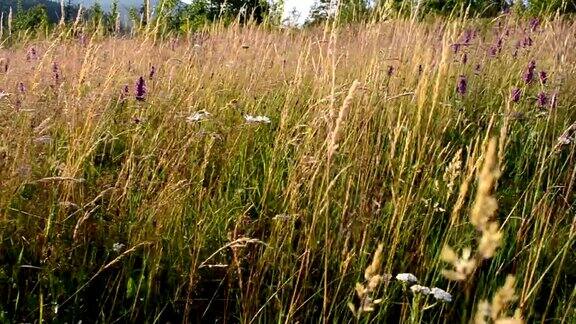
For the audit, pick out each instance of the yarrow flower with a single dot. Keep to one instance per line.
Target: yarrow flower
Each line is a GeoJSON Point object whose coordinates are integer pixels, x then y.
{"type": "Point", "coordinates": [420, 289]}
{"type": "Point", "coordinates": [117, 247]}
{"type": "Point", "coordinates": [406, 277]}
{"type": "Point", "coordinates": [441, 294]}
{"type": "Point", "coordinates": [462, 86]}
{"type": "Point", "coordinates": [257, 119]}
{"type": "Point", "coordinates": [140, 92]}
{"type": "Point", "coordinates": [198, 116]}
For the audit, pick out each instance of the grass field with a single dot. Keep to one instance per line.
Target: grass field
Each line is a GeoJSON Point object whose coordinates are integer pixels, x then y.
{"type": "Point", "coordinates": [251, 174]}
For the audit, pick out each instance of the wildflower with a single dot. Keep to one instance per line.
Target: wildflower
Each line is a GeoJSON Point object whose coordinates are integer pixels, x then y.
{"type": "Point", "coordinates": [542, 99]}
{"type": "Point", "coordinates": [257, 119]}
{"type": "Point", "coordinates": [464, 58]}
{"type": "Point", "coordinates": [21, 87]}
{"type": "Point", "coordinates": [528, 76]}
{"type": "Point", "coordinates": [462, 85]}
{"type": "Point", "coordinates": [152, 72]}
{"type": "Point", "coordinates": [455, 48]}
{"type": "Point", "coordinates": [31, 54]}
{"type": "Point", "coordinates": [420, 289]}
{"type": "Point", "coordinates": [527, 42]}
{"type": "Point", "coordinates": [441, 295]}
{"type": "Point", "coordinates": [117, 247]}
{"type": "Point", "coordinates": [493, 51]}
{"type": "Point", "coordinates": [516, 93]}
{"type": "Point", "coordinates": [477, 69]}
{"type": "Point", "coordinates": [125, 92]}
{"type": "Point", "coordinates": [534, 23]}
{"type": "Point", "coordinates": [467, 37]}
{"type": "Point", "coordinates": [140, 89]}
{"type": "Point", "coordinates": [420, 68]}
{"type": "Point", "coordinates": [390, 70]}
{"type": "Point", "coordinates": [543, 77]}
{"type": "Point", "coordinates": [56, 72]}
{"type": "Point", "coordinates": [406, 277]}
{"type": "Point", "coordinates": [198, 116]}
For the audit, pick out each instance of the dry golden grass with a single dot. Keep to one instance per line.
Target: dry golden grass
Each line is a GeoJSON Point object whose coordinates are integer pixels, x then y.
{"type": "Point", "coordinates": [175, 208]}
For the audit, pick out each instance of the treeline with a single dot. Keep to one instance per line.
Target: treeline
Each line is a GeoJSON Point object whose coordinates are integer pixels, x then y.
{"type": "Point", "coordinates": [174, 16]}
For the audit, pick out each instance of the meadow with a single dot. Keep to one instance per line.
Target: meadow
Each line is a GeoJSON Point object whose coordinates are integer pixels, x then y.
{"type": "Point", "coordinates": [386, 172]}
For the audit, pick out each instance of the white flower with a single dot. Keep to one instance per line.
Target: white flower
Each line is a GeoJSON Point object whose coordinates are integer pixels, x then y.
{"type": "Point", "coordinates": [420, 289]}
{"type": "Point", "coordinates": [117, 247]}
{"type": "Point", "coordinates": [441, 294]}
{"type": "Point", "coordinates": [198, 116]}
{"type": "Point", "coordinates": [406, 277]}
{"type": "Point", "coordinates": [3, 94]}
{"type": "Point", "coordinates": [257, 119]}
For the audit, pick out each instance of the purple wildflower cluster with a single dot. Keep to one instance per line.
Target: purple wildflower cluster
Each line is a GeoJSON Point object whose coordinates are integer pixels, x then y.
{"type": "Point", "coordinates": [140, 91]}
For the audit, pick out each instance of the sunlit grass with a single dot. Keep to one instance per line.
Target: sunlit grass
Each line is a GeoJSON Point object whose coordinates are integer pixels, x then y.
{"type": "Point", "coordinates": [255, 172]}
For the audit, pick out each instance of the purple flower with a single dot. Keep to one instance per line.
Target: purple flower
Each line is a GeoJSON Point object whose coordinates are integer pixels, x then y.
{"type": "Point", "coordinates": [140, 89]}
{"type": "Point", "coordinates": [477, 69]}
{"type": "Point", "coordinates": [125, 92]}
{"type": "Point", "coordinates": [152, 72]}
{"type": "Point", "coordinates": [527, 41]}
{"type": "Point", "coordinates": [462, 86]}
{"type": "Point", "coordinates": [516, 93]}
{"type": "Point", "coordinates": [31, 54]}
{"type": "Point", "coordinates": [542, 99]}
{"type": "Point", "coordinates": [493, 51]}
{"type": "Point", "coordinates": [456, 48]}
{"type": "Point", "coordinates": [543, 77]}
{"type": "Point", "coordinates": [464, 58]}
{"type": "Point", "coordinates": [420, 69]}
{"type": "Point", "coordinates": [390, 70]}
{"type": "Point", "coordinates": [21, 87]}
{"type": "Point", "coordinates": [55, 72]}
{"type": "Point", "coordinates": [467, 37]}
{"type": "Point", "coordinates": [529, 74]}
{"type": "Point", "coordinates": [534, 23]}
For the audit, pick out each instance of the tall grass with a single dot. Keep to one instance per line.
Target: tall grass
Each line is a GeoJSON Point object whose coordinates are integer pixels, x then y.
{"type": "Point", "coordinates": [174, 208]}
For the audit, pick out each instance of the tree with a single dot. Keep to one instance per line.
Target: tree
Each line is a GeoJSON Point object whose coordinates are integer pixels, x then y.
{"type": "Point", "coordinates": [345, 10]}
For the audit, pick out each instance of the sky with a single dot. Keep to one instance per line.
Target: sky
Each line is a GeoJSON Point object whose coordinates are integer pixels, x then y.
{"type": "Point", "coordinates": [302, 6]}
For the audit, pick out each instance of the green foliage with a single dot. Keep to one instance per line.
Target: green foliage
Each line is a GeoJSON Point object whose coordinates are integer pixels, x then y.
{"type": "Point", "coordinates": [31, 19]}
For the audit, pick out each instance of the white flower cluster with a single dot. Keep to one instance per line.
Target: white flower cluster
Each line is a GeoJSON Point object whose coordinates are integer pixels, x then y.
{"type": "Point", "coordinates": [439, 294]}
{"type": "Point", "coordinates": [257, 119]}
{"type": "Point", "coordinates": [198, 116]}
{"type": "Point", "coordinates": [117, 247]}
{"type": "Point", "coordinates": [406, 277]}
